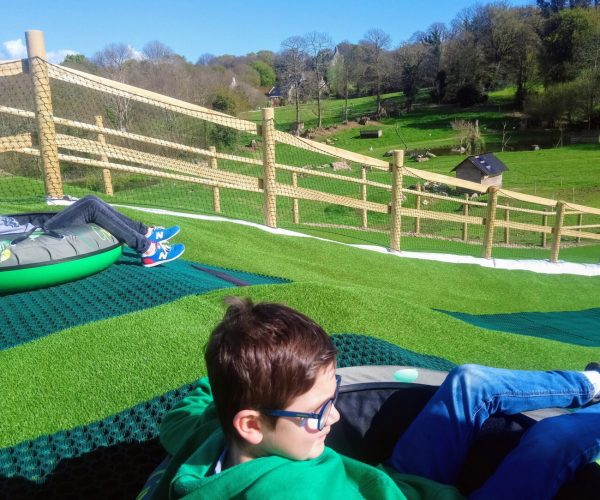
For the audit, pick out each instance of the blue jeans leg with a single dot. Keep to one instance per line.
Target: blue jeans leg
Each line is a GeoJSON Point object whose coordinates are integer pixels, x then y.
{"type": "Point", "coordinates": [548, 456]}
{"type": "Point", "coordinates": [436, 444]}
{"type": "Point", "coordinates": [92, 209]}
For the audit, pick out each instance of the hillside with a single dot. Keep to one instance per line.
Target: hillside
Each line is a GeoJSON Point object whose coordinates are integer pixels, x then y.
{"type": "Point", "coordinates": [121, 361]}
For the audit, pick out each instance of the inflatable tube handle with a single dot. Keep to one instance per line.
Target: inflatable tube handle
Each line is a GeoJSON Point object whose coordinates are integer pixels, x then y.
{"type": "Point", "coordinates": [26, 235]}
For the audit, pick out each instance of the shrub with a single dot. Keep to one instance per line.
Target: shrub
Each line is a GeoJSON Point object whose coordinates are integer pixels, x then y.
{"type": "Point", "coordinates": [469, 95]}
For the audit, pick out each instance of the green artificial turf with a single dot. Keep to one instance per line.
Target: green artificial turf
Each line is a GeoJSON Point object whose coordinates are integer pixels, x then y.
{"type": "Point", "coordinates": [91, 371]}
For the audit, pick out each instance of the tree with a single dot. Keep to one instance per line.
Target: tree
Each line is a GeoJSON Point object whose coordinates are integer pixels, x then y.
{"type": "Point", "coordinates": [157, 51]}
{"type": "Point", "coordinates": [463, 62]}
{"type": "Point", "coordinates": [345, 71]}
{"type": "Point", "coordinates": [265, 72]}
{"type": "Point", "coordinates": [433, 40]}
{"type": "Point", "coordinates": [410, 59]}
{"type": "Point", "coordinates": [266, 56]}
{"type": "Point", "coordinates": [524, 58]}
{"type": "Point", "coordinates": [80, 62]}
{"type": "Point", "coordinates": [375, 44]}
{"type": "Point", "coordinates": [586, 56]}
{"type": "Point", "coordinates": [291, 64]}
{"type": "Point", "coordinates": [114, 61]}
{"type": "Point", "coordinates": [205, 59]}
{"type": "Point", "coordinates": [318, 47]}
{"type": "Point", "coordinates": [560, 34]}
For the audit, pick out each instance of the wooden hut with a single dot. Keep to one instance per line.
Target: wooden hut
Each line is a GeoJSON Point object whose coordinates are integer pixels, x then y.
{"type": "Point", "coordinates": [485, 169]}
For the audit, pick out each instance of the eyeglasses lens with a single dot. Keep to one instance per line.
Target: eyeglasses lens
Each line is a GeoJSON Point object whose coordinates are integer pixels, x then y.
{"type": "Point", "coordinates": [325, 415]}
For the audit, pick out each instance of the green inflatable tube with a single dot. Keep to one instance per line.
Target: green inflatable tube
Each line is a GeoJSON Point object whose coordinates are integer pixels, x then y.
{"type": "Point", "coordinates": [43, 260]}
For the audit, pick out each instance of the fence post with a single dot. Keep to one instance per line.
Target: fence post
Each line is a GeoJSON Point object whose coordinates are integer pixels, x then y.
{"type": "Point", "coordinates": [579, 223]}
{"type": "Point", "coordinates": [490, 222]}
{"type": "Point", "coordinates": [216, 193]}
{"type": "Point", "coordinates": [295, 208]}
{"type": "Point", "coordinates": [36, 53]}
{"type": "Point", "coordinates": [106, 176]}
{"type": "Point", "coordinates": [270, 199]}
{"type": "Point", "coordinates": [507, 219]}
{"type": "Point", "coordinates": [418, 207]}
{"type": "Point", "coordinates": [557, 230]}
{"type": "Point", "coordinates": [544, 235]}
{"type": "Point", "coordinates": [363, 195]}
{"type": "Point", "coordinates": [396, 217]}
{"type": "Point", "coordinates": [465, 229]}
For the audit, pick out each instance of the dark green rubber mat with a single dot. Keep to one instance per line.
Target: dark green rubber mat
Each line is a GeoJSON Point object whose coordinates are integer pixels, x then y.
{"type": "Point", "coordinates": [112, 458]}
{"type": "Point", "coordinates": [572, 327]}
{"type": "Point", "coordinates": [123, 288]}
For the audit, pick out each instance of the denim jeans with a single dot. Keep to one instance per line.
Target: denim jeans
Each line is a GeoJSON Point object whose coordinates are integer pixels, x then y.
{"type": "Point", "coordinates": [92, 209]}
{"type": "Point", "coordinates": [437, 442]}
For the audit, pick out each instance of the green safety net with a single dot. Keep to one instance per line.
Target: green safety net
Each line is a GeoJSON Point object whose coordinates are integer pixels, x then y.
{"type": "Point", "coordinates": [123, 288]}
{"type": "Point", "coordinates": [572, 327]}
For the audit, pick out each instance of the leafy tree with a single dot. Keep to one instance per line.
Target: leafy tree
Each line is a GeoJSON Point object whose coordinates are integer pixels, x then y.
{"type": "Point", "coordinates": [468, 95]}
{"type": "Point", "coordinates": [433, 40]}
{"type": "Point", "coordinates": [410, 59]}
{"type": "Point", "coordinates": [266, 56]}
{"type": "Point", "coordinates": [438, 93]}
{"type": "Point", "coordinates": [266, 73]}
{"type": "Point", "coordinates": [561, 31]}
{"type": "Point", "coordinates": [223, 137]}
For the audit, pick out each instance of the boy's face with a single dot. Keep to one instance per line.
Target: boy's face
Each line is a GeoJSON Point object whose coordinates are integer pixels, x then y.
{"type": "Point", "coordinates": [291, 439]}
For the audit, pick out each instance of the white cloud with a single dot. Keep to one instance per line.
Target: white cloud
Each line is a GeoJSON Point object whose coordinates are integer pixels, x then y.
{"type": "Point", "coordinates": [136, 55]}
{"type": "Point", "coordinates": [58, 56]}
{"type": "Point", "coordinates": [13, 49]}
{"type": "Point", "coordinates": [16, 49]}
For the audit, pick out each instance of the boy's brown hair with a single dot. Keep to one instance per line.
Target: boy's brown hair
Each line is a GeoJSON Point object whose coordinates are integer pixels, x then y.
{"type": "Point", "coordinates": [263, 356]}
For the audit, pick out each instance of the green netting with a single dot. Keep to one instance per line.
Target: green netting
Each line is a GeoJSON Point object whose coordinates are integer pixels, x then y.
{"type": "Point", "coordinates": [572, 327]}
{"type": "Point", "coordinates": [113, 457]}
{"type": "Point", "coordinates": [122, 288]}
{"type": "Point", "coordinates": [359, 350]}
{"type": "Point", "coordinates": [133, 148]}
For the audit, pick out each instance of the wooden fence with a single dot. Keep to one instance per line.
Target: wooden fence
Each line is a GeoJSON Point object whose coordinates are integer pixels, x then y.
{"type": "Point", "coordinates": [503, 209]}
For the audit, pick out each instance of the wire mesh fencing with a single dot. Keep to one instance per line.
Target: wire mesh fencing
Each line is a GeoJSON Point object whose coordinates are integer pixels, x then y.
{"type": "Point", "coordinates": [65, 132]}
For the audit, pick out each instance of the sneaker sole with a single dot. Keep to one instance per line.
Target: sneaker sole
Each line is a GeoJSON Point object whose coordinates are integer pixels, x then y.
{"type": "Point", "coordinates": [158, 263]}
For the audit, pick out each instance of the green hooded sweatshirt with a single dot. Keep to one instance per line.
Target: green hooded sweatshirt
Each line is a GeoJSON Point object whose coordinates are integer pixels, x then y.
{"type": "Point", "coordinates": [192, 434]}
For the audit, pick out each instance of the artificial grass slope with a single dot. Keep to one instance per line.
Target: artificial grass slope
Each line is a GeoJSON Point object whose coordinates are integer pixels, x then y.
{"type": "Point", "coordinates": [89, 372]}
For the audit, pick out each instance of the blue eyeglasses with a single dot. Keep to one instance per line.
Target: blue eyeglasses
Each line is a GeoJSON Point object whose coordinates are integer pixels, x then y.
{"type": "Point", "coordinates": [313, 421]}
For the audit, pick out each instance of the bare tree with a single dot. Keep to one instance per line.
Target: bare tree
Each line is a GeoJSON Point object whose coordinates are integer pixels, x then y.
{"type": "Point", "coordinates": [114, 61]}
{"type": "Point", "coordinates": [292, 64]}
{"type": "Point", "coordinates": [346, 69]}
{"type": "Point", "coordinates": [375, 43]}
{"type": "Point", "coordinates": [205, 59]}
{"type": "Point", "coordinates": [318, 47]}
{"type": "Point", "coordinates": [157, 51]}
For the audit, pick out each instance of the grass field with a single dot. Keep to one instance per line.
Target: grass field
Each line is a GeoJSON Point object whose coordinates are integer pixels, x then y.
{"type": "Point", "coordinates": [570, 173]}
{"type": "Point", "coordinates": [89, 372]}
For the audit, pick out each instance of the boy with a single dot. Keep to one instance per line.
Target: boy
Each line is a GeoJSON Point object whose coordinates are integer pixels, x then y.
{"type": "Point", "coordinates": [149, 242]}
{"type": "Point", "coordinates": [272, 375]}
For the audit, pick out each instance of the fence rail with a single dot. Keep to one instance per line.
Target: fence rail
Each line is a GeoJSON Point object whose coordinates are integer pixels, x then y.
{"type": "Point", "coordinates": [400, 208]}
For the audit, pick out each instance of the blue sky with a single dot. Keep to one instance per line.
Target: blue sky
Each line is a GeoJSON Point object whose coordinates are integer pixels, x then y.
{"type": "Point", "coordinates": [192, 28]}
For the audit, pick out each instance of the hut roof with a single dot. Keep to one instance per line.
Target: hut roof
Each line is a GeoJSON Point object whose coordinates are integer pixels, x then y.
{"type": "Point", "coordinates": [487, 163]}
